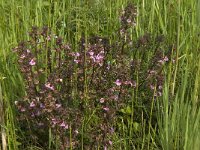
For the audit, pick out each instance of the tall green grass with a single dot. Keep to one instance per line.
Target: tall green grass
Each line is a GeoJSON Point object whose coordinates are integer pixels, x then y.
{"type": "Point", "coordinates": [178, 115]}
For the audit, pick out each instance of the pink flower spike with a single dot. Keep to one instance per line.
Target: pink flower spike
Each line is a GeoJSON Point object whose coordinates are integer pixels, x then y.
{"type": "Point", "coordinates": [110, 142]}
{"type": "Point", "coordinates": [32, 62]}
{"type": "Point", "coordinates": [118, 82]}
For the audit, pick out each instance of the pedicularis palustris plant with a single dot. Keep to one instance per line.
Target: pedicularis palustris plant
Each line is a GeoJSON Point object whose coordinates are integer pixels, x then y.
{"type": "Point", "coordinates": [65, 89]}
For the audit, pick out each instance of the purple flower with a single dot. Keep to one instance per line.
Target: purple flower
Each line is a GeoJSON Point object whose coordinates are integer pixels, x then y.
{"type": "Point", "coordinates": [22, 56]}
{"type": "Point", "coordinates": [128, 83]}
{"type": "Point", "coordinates": [32, 62]}
{"type": "Point", "coordinates": [59, 80]}
{"type": "Point", "coordinates": [166, 59]}
{"type": "Point", "coordinates": [76, 61]}
{"type": "Point", "coordinates": [115, 97]}
{"type": "Point", "coordinates": [54, 121]}
{"type": "Point", "coordinates": [22, 109]}
{"type": "Point", "coordinates": [76, 131]}
{"type": "Point", "coordinates": [161, 61]}
{"type": "Point", "coordinates": [58, 105]}
{"type": "Point", "coordinates": [102, 100]}
{"type": "Point", "coordinates": [106, 109]}
{"type": "Point", "coordinates": [110, 142]}
{"type": "Point", "coordinates": [32, 115]}
{"type": "Point", "coordinates": [38, 113]}
{"type": "Point", "coordinates": [42, 105]}
{"type": "Point", "coordinates": [32, 104]}
{"type": "Point", "coordinates": [77, 54]}
{"type": "Point", "coordinates": [128, 20]}
{"type": "Point", "coordinates": [49, 86]}
{"type": "Point", "coordinates": [91, 53]}
{"type": "Point", "coordinates": [28, 51]}
{"type": "Point", "coordinates": [159, 94]}
{"type": "Point", "coordinates": [152, 87]}
{"type": "Point", "coordinates": [64, 125]}
{"type": "Point", "coordinates": [99, 57]}
{"type": "Point", "coordinates": [118, 82]}
{"type": "Point", "coordinates": [48, 38]}
{"type": "Point", "coordinates": [160, 87]}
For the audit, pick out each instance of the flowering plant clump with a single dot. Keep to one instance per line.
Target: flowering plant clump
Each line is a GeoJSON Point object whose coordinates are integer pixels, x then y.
{"type": "Point", "coordinates": [78, 93]}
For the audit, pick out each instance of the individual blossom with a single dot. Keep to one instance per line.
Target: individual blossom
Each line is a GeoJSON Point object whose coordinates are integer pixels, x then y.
{"type": "Point", "coordinates": [22, 109]}
{"type": "Point", "coordinates": [91, 53]}
{"type": "Point", "coordinates": [118, 82]}
{"type": "Point", "coordinates": [112, 130]}
{"type": "Point", "coordinates": [106, 109]}
{"type": "Point", "coordinates": [49, 86]}
{"type": "Point", "coordinates": [152, 87]}
{"type": "Point", "coordinates": [58, 105]}
{"type": "Point", "coordinates": [32, 62]}
{"type": "Point", "coordinates": [28, 51]}
{"type": "Point", "coordinates": [48, 38]}
{"type": "Point", "coordinates": [166, 59]}
{"type": "Point", "coordinates": [16, 102]}
{"type": "Point", "coordinates": [65, 126]}
{"type": "Point", "coordinates": [42, 105]}
{"type": "Point", "coordinates": [102, 100]}
{"type": "Point", "coordinates": [132, 84]}
{"type": "Point", "coordinates": [160, 87]}
{"type": "Point", "coordinates": [76, 131]}
{"type": "Point", "coordinates": [128, 20]}
{"type": "Point", "coordinates": [22, 56]}
{"type": "Point", "coordinates": [76, 61]}
{"type": "Point", "coordinates": [32, 104]}
{"type": "Point", "coordinates": [54, 121]}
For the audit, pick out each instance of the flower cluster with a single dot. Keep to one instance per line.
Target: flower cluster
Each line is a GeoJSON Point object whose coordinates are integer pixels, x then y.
{"type": "Point", "coordinates": [65, 86]}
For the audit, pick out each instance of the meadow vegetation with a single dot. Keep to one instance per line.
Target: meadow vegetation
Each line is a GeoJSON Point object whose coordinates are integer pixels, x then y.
{"type": "Point", "coordinates": [99, 74]}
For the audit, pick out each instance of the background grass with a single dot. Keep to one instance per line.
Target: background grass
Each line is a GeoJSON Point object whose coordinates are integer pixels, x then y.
{"type": "Point", "coordinates": [178, 20]}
